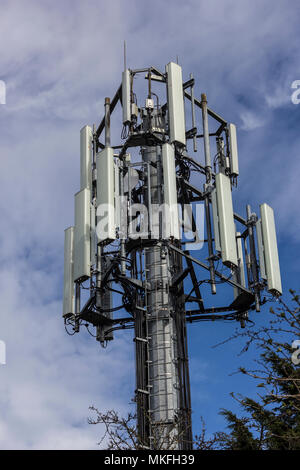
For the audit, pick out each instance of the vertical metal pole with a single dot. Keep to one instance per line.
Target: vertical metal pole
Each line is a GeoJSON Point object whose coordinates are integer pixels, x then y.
{"type": "Point", "coordinates": [98, 277]}
{"type": "Point", "coordinates": [254, 266]}
{"type": "Point", "coordinates": [248, 263]}
{"type": "Point", "coordinates": [149, 200]}
{"type": "Point", "coordinates": [77, 298]}
{"type": "Point", "coordinates": [210, 247]}
{"type": "Point", "coordinates": [93, 196]}
{"type": "Point", "coordinates": [206, 137]}
{"type": "Point", "coordinates": [159, 196]}
{"type": "Point", "coordinates": [77, 305]}
{"type": "Point", "coordinates": [122, 208]}
{"type": "Point", "coordinates": [208, 181]}
{"type": "Point", "coordinates": [94, 151]}
{"type": "Point", "coordinates": [221, 160]}
{"type": "Point", "coordinates": [193, 114]}
{"type": "Point", "coordinates": [107, 122]}
{"type": "Point", "coordinates": [93, 222]}
{"type": "Point", "coordinates": [99, 248]}
{"type": "Point", "coordinates": [125, 65]}
{"type": "Point", "coordinates": [149, 84]}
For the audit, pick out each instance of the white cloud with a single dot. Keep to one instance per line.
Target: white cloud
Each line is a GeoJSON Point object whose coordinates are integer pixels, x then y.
{"type": "Point", "coordinates": [50, 379]}
{"type": "Point", "coordinates": [59, 62]}
{"type": "Point", "coordinates": [250, 121]}
{"type": "Point", "coordinates": [280, 96]}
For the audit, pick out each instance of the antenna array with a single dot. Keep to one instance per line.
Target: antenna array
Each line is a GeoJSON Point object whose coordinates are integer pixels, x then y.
{"type": "Point", "coordinates": [131, 214]}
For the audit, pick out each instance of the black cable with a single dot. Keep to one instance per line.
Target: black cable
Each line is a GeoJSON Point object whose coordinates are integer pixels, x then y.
{"type": "Point", "coordinates": [109, 310]}
{"type": "Point", "coordinates": [198, 284]}
{"type": "Point", "coordinates": [70, 334]}
{"type": "Point", "coordinates": [87, 327]}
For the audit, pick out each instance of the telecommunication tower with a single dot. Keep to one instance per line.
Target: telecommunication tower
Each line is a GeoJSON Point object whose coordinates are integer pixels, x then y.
{"type": "Point", "coordinates": [137, 200]}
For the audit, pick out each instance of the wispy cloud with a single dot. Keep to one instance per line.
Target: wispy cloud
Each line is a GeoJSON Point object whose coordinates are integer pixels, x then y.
{"type": "Point", "coordinates": [59, 62]}
{"type": "Point", "coordinates": [251, 121]}
{"type": "Point", "coordinates": [280, 96]}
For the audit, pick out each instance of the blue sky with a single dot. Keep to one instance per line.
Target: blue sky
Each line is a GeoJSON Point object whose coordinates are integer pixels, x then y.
{"type": "Point", "coordinates": [59, 60]}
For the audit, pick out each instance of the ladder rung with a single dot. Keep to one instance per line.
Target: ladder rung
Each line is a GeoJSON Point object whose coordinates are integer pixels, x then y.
{"type": "Point", "coordinates": [140, 339]}
{"type": "Point", "coordinates": [142, 391]}
{"type": "Point", "coordinates": [140, 308]}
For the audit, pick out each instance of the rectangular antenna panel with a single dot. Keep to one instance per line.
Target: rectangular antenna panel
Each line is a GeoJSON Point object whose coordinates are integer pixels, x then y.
{"type": "Point", "coordinates": [126, 101]}
{"type": "Point", "coordinates": [175, 103]}
{"type": "Point", "coordinates": [261, 255]}
{"type": "Point", "coordinates": [226, 220]}
{"type": "Point", "coordinates": [215, 220]}
{"type": "Point", "coordinates": [234, 161]}
{"type": "Point", "coordinates": [171, 229]}
{"type": "Point", "coordinates": [82, 233]}
{"type": "Point", "coordinates": [86, 157]}
{"type": "Point", "coordinates": [68, 300]}
{"type": "Point", "coordinates": [106, 228]}
{"type": "Point", "coordinates": [270, 249]}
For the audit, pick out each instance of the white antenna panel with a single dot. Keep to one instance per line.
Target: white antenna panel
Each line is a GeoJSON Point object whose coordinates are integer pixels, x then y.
{"type": "Point", "coordinates": [175, 103]}
{"type": "Point", "coordinates": [170, 191]}
{"type": "Point", "coordinates": [226, 220]}
{"type": "Point", "coordinates": [106, 195]}
{"type": "Point", "coordinates": [126, 97]}
{"type": "Point", "coordinates": [86, 157]}
{"type": "Point", "coordinates": [68, 300]}
{"type": "Point", "coordinates": [82, 240]}
{"type": "Point", "coordinates": [270, 249]}
{"type": "Point", "coordinates": [234, 160]}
